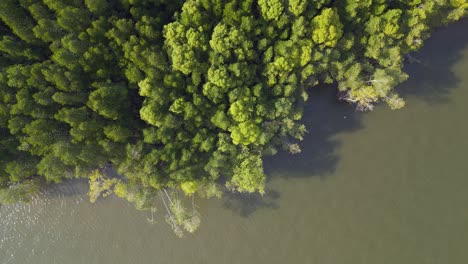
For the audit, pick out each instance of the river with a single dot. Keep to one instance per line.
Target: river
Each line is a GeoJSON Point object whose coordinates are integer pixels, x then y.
{"type": "Point", "coordinates": [369, 188]}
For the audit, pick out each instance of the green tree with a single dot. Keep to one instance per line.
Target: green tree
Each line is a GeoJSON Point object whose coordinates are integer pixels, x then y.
{"type": "Point", "coordinates": [185, 95]}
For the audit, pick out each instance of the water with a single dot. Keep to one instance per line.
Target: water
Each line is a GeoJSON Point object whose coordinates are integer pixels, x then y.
{"type": "Point", "coordinates": [380, 187]}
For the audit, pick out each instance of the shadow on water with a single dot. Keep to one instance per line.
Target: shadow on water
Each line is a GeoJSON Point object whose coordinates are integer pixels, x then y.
{"type": "Point", "coordinates": [324, 117]}
{"type": "Point", "coordinates": [431, 80]}
{"type": "Point", "coordinates": [74, 187]}
{"type": "Point", "coordinates": [247, 204]}
{"type": "Point", "coordinates": [440, 52]}
{"type": "Point", "coordinates": [70, 187]}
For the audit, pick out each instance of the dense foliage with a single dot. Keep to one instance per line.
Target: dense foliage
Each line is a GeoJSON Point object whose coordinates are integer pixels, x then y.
{"type": "Point", "coordinates": [185, 95]}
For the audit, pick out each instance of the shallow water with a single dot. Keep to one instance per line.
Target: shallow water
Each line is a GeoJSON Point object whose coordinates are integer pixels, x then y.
{"type": "Point", "coordinates": [380, 187]}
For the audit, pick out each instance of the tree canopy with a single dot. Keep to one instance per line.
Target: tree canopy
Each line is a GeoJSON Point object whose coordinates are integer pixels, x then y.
{"type": "Point", "coordinates": [185, 95]}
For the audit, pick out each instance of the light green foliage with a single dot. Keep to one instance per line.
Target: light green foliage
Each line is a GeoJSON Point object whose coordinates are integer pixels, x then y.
{"type": "Point", "coordinates": [297, 7]}
{"type": "Point", "coordinates": [97, 7]}
{"type": "Point", "coordinates": [178, 216]}
{"type": "Point", "coordinates": [73, 19]}
{"type": "Point", "coordinates": [189, 187]}
{"type": "Point", "coordinates": [271, 9]}
{"type": "Point", "coordinates": [177, 95]}
{"type": "Point", "coordinates": [20, 192]}
{"type": "Point", "coordinates": [209, 190]}
{"type": "Point", "coordinates": [221, 120]}
{"type": "Point", "coordinates": [100, 185]}
{"type": "Point", "coordinates": [17, 19]}
{"type": "Point", "coordinates": [108, 100]}
{"type": "Point", "coordinates": [245, 133]}
{"type": "Point", "coordinates": [248, 173]}
{"type": "Point", "coordinates": [327, 28]}
{"type": "Point", "coordinates": [21, 169]}
{"type": "Point", "coordinates": [117, 133]}
{"type": "Point", "coordinates": [17, 50]}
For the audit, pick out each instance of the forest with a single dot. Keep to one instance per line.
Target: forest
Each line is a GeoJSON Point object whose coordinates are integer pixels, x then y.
{"type": "Point", "coordinates": [186, 97]}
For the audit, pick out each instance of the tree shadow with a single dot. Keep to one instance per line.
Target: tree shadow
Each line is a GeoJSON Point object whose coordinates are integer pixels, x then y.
{"type": "Point", "coordinates": [431, 77]}
{"type": "Point", "coordinates": [324, 118]}
{"type": "Point", "coordinates": [431, 80]}
{"type": "Point", "coordinates": [66, 188]}
{"type": "Point", "coordinates": [75, 186]}
{"type": "Point", "coordinates": [246, 204]}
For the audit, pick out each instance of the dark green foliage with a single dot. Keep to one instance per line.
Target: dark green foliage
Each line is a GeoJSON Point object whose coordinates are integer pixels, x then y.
{"type": "Point", "coordinates": [181, 94]}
